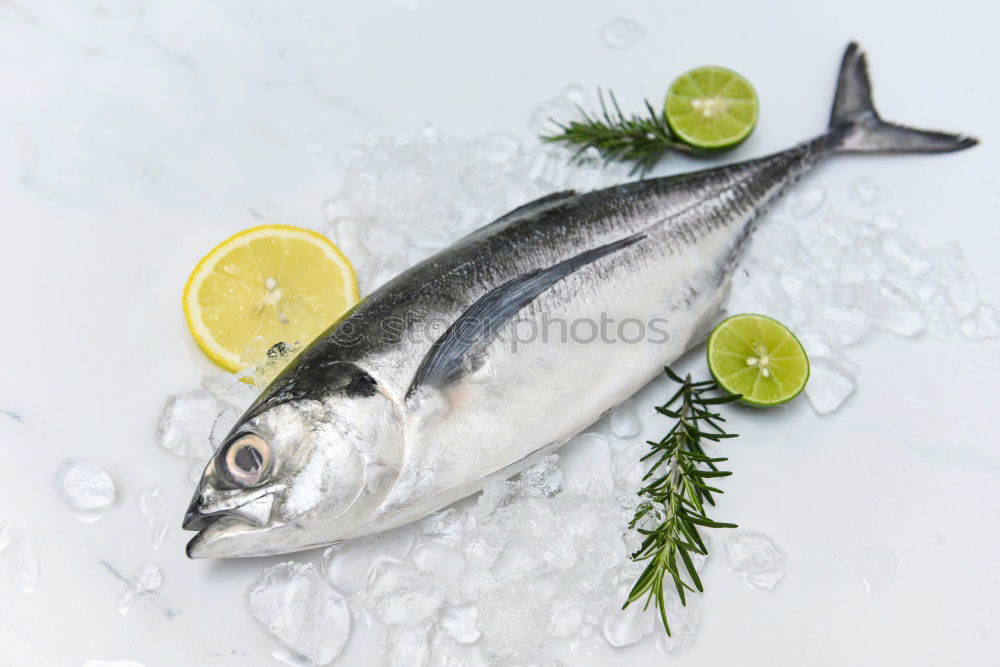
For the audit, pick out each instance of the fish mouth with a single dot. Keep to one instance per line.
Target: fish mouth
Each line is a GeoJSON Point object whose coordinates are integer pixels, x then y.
{"type": "Point", "coordinates": [223, 535]}
{"type": "Point", "coordinates": [229, 532]}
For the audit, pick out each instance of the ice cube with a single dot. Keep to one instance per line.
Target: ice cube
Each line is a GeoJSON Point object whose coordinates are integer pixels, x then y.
{"type": "Point", "coordinates": [543, 479]}
{"type": "Point", "coordinates": [406, 646]}
{"type": "Point", "coordinates": [230, 390]}
{"type": "Point", "coordinates": [756, 558]}
{"type": "Point", "coordinates": [684, 621]}
{"type": "Point", "coordinates": [146, 579]}
{"type": "Point", "coordinates": [498, 150]}
{"type": "Point", "coordinates": [518, 557]}
{"type": "Point", "coordinates": [982, 324]}
{"type": "Point", "coordinates": [776, 246]}
{"type": "Point", "coordinates": [480, 553]}
{"type": "Point", "coordinates": [347, 564]}
{"type": "Point", "coordinates": [474, 582]}
{"type": "Point", "coordinates": [459, 621]}
{"type": "Point", "coordinates": [958, 281]}
{"type": "Point", "coordinates": [895, 312]}
{"type": "Point", "coordinates": [926, 290]}
{"type": "Point", "coordinates": [624, 421]}
{"type": "Point", "coordinates": [566, 617]}
{"type": "Point", "coordinates": [149, 503]}
{"type": "Point", "coordinates": [586, 463]}
{"type": "Point", "coordinates": [448, 526]}
{"type": "Point", "coordinates": [887, 221]}
{"type": "Point", "coordinates": [444, 563]}
{"type": "Point", "coordinates": [620, 33]}
{"type": "Point", "coordinates": [627, 466]}
{"type": "Point", "coordinates": [588, 642]}
{"type": "Point", "coordinates": [593, 528]}
{"type": "Point", "coordinates": [159, 533]}
{"type": "Point", "coordinates": [830, 384]}
{"type": "Point", "coordinates": [905, 257]}
{"type": "Point", "coordinates": [624, 627]}
{"type": "Point", "coordinates": [382, 239]}
{"type": "Point", "coordinates": [446, 651]}
{"type": "Point", "coordinates": [295, 604]}
{"type": "Point", "coordinates": [346, 233]}
{"type": "Point", "coordinates": [513, 617]}
{"type": "Point", "coordinates": [756, 290]}
{"type": "Point", "coordinates": [547, 116]}
{"type": "Point", "coordinates": [764, 581]}
{"type": "Point", "coordinates": [400, 592]}
{"type": "Point", "coordinates": [869, 192]}
{"type": "Point", "coordinates": [19, 556]}
{"type": "Point", "coordinates": [186, 424]}
{"type": "Point", "coordinates": [85, 486]}
{"type": "Point", "coordinates": [844, 325]}
{"type": "Point", "coordinates": [805, 200]}
{"type": "Point", "coordinates": [494, 495]}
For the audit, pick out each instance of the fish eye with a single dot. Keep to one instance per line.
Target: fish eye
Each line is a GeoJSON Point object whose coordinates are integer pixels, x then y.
{"type": "Point", "coordinates": [247, 459]}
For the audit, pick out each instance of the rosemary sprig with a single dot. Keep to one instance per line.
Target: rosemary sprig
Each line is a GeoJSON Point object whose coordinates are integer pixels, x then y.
{"type": "Point", "coordinates": [678, 489]}
{"type": "Point", "coordinates": [640, 139]}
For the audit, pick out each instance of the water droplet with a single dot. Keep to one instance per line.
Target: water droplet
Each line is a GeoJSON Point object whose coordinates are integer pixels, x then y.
{"type": "Point", "coordinates": [19, 556]}
{"type": "Point", "coordinates": [877, 567]}
{"type": "Point", "coordinates": [620, 33]}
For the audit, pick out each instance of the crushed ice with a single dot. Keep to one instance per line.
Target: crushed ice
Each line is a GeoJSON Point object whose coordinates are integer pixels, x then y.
{"type": "Point", "coordinates": [837, 279]}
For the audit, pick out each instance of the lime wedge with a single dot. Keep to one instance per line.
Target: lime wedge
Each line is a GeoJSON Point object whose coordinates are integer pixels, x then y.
{"type": "Point", "coordinates": [757, 357]}
{"type": "Point", "coordinates": [711, 108]}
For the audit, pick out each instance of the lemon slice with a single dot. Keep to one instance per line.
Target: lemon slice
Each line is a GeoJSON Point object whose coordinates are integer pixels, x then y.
{"type": "Point", "coordinates": [267, 285]}
{"type": "Point", "coordinates": [759, 358]}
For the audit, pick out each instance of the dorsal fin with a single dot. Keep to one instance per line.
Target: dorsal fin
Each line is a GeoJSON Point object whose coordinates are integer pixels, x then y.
{"type": "Point", "coordinates": [536, 205]}
{"type": "Point", "coordinates": [484, 319]}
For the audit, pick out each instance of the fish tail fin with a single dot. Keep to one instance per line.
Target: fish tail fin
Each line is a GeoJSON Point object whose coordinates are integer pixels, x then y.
{"type": "Point", "coordinates": [855, 126]}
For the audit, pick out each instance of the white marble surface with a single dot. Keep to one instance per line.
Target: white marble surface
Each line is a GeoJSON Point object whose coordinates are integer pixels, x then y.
{"type": "Point", "coordinates": [134, 134]}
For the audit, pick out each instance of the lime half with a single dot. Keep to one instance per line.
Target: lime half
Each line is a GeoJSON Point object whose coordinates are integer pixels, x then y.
{"type": "Point", "coordinates": [711, 108]}
{"type": "Point", "coordinates": [757, 357]}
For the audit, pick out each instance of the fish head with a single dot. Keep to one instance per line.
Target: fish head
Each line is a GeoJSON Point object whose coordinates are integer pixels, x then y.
{"type": "Point", "coordinates": [296, 474]}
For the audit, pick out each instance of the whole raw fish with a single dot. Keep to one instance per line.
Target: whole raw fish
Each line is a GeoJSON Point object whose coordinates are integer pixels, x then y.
{"type": "Point", "coordinates": [501, 347]}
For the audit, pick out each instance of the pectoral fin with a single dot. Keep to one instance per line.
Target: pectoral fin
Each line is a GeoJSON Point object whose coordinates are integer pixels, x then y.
{"type": "Point", "coordinates": [447, 362]}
